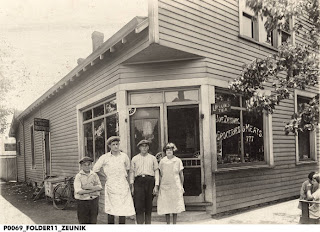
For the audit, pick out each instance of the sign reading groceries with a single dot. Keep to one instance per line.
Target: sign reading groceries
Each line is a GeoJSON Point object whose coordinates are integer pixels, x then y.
{"type": "Point", "coordinates": [41, 124]}
{"type": "Point", "coordinates": [220, 107]}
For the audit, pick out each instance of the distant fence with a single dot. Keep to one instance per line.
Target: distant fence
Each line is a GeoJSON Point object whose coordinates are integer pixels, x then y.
{"type": "Point", "coordinates": [8, 168]}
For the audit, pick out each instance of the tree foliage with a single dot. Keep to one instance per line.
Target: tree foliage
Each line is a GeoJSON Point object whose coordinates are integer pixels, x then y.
{"type": "Point", "coordinates": [12, 73]}
{"type": "Point", "coordinates": [293, 66]}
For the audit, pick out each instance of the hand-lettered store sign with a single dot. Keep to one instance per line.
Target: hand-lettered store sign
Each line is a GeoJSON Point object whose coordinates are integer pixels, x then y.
{"type": "Point", "coordinates": [41, 124]}
{"type": "Point", "coordinates": [220, 107]}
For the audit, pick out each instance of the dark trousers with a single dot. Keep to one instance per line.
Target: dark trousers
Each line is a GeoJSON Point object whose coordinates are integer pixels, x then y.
{"type": "Point", "coordinates": [122, 219]}
{"type": "Point", "coordinates": [143, 189]}
{"type": "Point", "coordinates": [87, 211]}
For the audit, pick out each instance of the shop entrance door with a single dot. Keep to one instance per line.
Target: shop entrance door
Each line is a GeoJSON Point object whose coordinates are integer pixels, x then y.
{"type": "Point", "coordinates": [183, 131]}
{"type": "Point", "coordinates": [171, 116]}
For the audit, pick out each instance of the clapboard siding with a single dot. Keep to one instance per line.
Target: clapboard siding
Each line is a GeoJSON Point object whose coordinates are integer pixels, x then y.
{"type": "Point", "coordinates": [210, 29]}
{"type": "Point", "coordinates": [163, 71]}
{"type": "Point", "coordinates": [35, 173]}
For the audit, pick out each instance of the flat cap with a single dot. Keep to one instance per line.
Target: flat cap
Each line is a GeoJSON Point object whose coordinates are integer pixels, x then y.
{"type": "Point", "coordinates": [112, 139]}
{"type": "Point", "coordinates": [86, 159]}
{"type": "Point", "coordinates": [144, 141]}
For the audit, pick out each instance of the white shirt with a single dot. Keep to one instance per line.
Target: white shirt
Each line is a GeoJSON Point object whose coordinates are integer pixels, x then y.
{"type": "Point", "coordinates": [144, 165]}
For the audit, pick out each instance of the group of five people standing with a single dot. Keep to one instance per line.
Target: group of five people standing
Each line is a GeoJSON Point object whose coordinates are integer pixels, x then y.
{"type": "Point", "coordinates": [130, 188]}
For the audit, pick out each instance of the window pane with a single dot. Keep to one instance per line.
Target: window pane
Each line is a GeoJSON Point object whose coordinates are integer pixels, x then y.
{"type": "Point", "coordinates": [145, 98]}
{"type": "Point", "coordinates": [98, 111]}
{"type": "Point", "coordinates": [111, 106]}
{"type": "Point", "coordinates": [147, 129]}
{"type": "Point", "coordinates": [182, 95]}
{"type": "Point", "coordinates": [247, 25]}
{"type": "Point", "coordinates": [284, 37]}
{"type": "Point", "coordinates": [144, 124]}
{"type": "Point", "coordinates": [235, 100]}
{"type": "Point", "coordinates": [112, 126]}
{"type": "Point", "coordinates": [304, 145]}
{"type": "Point", "coordinates": [87, 115]}
{"type": "Point", "coordinates": [301, 101]}
{"type": "Point", "coordinates": [88, 140]}
{"type": "Point", "coordinates": [228, 137]}
{"type": "Point", "coordinates": [253, 137]}
{"type": "Point", "coordinates": [99, 138]}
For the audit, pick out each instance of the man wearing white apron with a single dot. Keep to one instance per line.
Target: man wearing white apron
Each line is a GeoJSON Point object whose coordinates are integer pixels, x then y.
{"type": "Point", "coordinates": [115, 165]}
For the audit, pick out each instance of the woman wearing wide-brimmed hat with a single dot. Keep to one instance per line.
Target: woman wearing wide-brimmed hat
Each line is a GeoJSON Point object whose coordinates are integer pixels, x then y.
{"type": "Point", "coordinates": [170, 198]}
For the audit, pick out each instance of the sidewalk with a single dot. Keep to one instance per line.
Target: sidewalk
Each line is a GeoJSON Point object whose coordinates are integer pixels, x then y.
{"type": "Point", "coordinates": [19, 208]}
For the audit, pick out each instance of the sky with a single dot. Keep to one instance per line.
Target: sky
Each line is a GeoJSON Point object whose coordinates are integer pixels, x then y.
{"type": "Point", "coordinates": [41, 40]}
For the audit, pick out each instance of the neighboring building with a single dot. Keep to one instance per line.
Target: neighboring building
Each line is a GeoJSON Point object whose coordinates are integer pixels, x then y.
{"type": "Point", "coordinates": [157, 78]}
{"type": "Point", "coordinates": [8, 169]}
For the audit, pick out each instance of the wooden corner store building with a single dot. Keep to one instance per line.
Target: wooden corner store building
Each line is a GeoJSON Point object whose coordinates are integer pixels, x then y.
{"type": "Point", "coordinates": [159, 78]}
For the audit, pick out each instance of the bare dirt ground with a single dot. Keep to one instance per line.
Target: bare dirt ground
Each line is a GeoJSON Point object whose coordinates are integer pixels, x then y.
{"type": "Point", "coordinates": [41, 211]}
{"type": "Point", "coordinates": [18, 207]}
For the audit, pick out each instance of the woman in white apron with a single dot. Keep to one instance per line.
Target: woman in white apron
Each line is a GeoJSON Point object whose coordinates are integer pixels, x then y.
{"type": "Point", "coordinates": [170, 198]}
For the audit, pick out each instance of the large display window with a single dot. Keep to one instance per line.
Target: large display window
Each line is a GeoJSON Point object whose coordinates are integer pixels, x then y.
{"type": "Point", "coordinates": [99, 123]}
{"type": "Point", "coordinates": [239, 133]}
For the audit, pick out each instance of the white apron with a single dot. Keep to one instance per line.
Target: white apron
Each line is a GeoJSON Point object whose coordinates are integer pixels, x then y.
{"type": "Point", "coordinates": [118, 199]}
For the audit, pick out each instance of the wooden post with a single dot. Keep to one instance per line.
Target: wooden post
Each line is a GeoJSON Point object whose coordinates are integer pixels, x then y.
{"type": "Point", "coordinates": [153, 16]}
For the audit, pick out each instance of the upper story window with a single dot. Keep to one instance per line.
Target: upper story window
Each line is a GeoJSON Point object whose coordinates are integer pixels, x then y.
{"type": "Point", "coordinates": [306, 140]}
{"type": "Point", "coordinates": [99, 123]}
{"type": "Point", "coordinates": [249, 25]}
{"type": "Point", "coordinates": [252, 27]}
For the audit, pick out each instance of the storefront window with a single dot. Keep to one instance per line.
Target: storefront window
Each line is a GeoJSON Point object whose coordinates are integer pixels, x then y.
{"type": "Point", "coordinates": [228, 132]}
{"type": "Point", "coordinates": [239, 133]}
{"type": "Point", "coordinates": [97, 130]}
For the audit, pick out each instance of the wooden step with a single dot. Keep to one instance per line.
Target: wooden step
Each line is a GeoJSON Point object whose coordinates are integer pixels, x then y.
{"type": "Point", "coordinates": [201, 206]}
{"type": "Point", "coordinates": [187, 216]}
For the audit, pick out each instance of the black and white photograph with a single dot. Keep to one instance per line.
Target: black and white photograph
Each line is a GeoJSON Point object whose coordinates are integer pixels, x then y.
{"type": "Point", "coordinates": [132, 112]}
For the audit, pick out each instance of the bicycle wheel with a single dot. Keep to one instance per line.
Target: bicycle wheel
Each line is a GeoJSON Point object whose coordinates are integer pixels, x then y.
{"type": "Point", "coordinates": [61, 196]}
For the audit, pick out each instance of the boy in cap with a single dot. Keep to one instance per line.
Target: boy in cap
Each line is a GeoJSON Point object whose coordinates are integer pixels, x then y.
{"type": "Point", "coordinates": [87, 189]}
{"type": "Point", "coordinates": [144, 181]}
{"type": "Point", "coordinates": [115, 165]}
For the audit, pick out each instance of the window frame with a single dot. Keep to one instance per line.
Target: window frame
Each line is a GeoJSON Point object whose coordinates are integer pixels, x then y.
{"type": "Point", "coordinates": [245, 12]}
{"type": "Point", "coordinates": [94, 119]}
{"type": "Point", "coordinates": [312, 134]}
{"type": "Point", "coordinates": [267, 140]}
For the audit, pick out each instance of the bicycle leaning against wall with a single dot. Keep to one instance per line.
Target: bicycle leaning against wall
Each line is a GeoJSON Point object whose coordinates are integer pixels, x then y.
{"type": "Point", "coordinates": [63, 193]}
